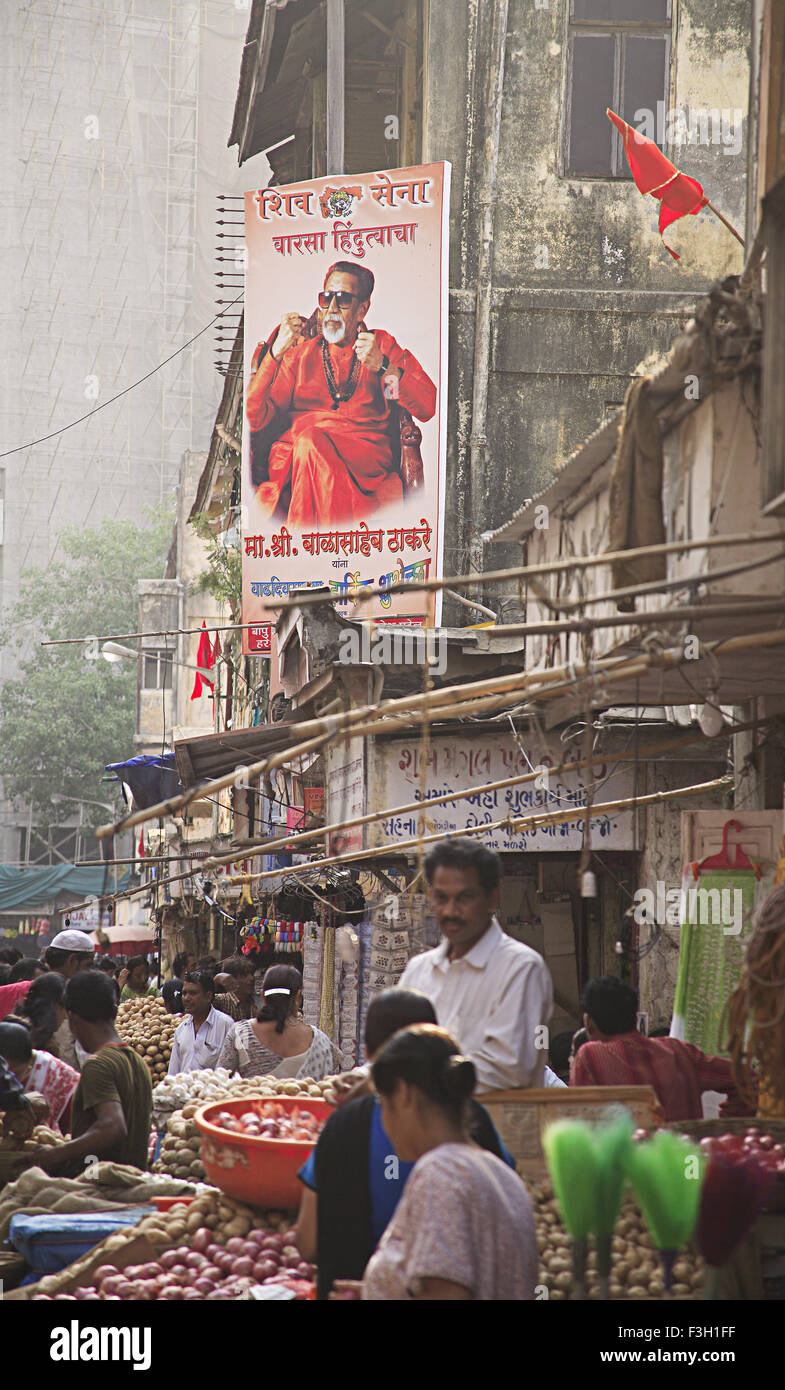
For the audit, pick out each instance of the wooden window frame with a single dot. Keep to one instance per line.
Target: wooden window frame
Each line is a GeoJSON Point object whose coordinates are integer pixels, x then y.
{"type": "Point", "coordinates": [163, 657]}
{"type": "Point", "coordinates": [620, 30]}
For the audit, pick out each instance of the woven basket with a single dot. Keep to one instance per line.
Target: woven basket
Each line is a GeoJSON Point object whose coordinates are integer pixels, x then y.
{"type": "Point", "coordinates": [701, 1129]}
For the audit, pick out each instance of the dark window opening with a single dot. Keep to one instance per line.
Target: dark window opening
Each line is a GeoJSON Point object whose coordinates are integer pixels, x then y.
{"type": "Point", "coordinates": [618, 56]}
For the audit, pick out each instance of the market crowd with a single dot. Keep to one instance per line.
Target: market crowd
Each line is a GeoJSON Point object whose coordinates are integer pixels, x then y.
{"type": "Point", "coordinates": [409, 1192]}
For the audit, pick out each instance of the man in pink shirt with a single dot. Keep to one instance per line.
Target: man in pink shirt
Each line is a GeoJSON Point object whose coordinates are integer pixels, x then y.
{"type": "Point", "coordinates": [618, 1055]}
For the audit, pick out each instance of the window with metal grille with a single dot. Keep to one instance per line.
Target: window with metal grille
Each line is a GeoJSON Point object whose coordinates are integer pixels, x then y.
{"type": "Point", "coordinates": [618, 55]}
{"type": "Point", "coordinates": [157, 673]}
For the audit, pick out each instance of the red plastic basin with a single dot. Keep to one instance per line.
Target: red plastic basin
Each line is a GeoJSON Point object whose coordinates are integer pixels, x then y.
{"type": "Point", "coordinates": [261, 1172]}
{"type": "Point", "coordinates": [164, 1203]}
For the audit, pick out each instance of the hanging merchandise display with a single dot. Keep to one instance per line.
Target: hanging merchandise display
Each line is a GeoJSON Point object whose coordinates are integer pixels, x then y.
{"type": "Point", "coordinates": [293, 903]}
{"type": "Point", "coordinates": [327, 1003]}
{"type": "Point", "coordinates": [267, 936]}
{"type": "Point", "coordinates": [718, 898]}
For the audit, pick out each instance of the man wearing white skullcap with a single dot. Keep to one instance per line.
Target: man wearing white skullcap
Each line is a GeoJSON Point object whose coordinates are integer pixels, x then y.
{"type": "Point", "coordinates": [70, 952]}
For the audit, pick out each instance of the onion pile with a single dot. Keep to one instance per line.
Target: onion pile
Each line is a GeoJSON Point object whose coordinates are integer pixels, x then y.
{"type": "Point", "coordinates": [751, 1144]}
{"type": "Point", "coordinates": [203, 1270]}
{"type": "Point", "coordinates": [177, 1099]}
{"type": "Point", "coordinates": [635, 1272]}
{"type": "Point", "coordinates": [146, 1025]}
{"type": "Point", "coordinates": [269, 1120]}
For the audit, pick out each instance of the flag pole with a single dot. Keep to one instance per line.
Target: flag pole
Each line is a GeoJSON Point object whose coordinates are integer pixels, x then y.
{"type": "Point", "coordinates": [725, 221]}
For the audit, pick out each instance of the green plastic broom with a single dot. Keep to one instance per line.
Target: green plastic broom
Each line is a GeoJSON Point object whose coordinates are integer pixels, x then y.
{"type": "Point", "coordinates": [572, 1163]}
{"type": "Point", "coordinates": [666, 1173]}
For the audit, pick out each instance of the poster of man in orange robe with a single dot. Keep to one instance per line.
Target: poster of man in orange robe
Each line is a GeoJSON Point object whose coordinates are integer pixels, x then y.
{"type": "Point", "coordinates": [345, 390]}
{"type": "Point", "coordinates": [335, 392]}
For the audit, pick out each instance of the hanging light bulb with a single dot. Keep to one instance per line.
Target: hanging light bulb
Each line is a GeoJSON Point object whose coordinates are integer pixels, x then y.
{"type": "Point", "coordinates": [588, 884]}
{"type": "Point", "coordinates": [711, 718]}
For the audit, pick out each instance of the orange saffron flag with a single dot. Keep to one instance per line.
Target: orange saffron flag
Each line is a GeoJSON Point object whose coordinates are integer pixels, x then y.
{"type": "Point", "coordinates": [654, 174]}
{"type": "Point", "coordinates": [205, 659]}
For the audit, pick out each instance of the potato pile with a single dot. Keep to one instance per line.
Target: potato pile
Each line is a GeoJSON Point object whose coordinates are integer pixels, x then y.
{"type": "Point", "coordinates": [636, 1270]}
{"type": "Point", "coordinates": [145, 1024]}
{"type": "Point", "coordinates": [181, 1150]}
{"type": "Point", "coordinates": [222, 1215]}
{"type": "Point", "coordinates": [41, 1136]}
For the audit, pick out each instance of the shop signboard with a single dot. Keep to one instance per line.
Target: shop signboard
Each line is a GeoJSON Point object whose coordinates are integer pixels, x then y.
{"type": "Point", "coordinates": [460, 763]}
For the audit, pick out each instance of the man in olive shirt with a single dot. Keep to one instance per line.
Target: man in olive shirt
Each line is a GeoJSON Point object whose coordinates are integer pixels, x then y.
{"type": "Point", "coordinates": [113, 1103]}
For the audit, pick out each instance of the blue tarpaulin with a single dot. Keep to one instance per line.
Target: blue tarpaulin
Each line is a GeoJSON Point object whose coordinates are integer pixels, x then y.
{"type": "Point", "coordinates": [49, 1242]}
{"type": "Point", "coordinates": [21, 889]}
{"type": "Point", "coordinates": [151, 779]}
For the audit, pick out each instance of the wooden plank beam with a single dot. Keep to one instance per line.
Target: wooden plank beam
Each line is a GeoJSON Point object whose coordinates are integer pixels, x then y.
{"type": "Point", "coordinates": [410, 127]}
{"type": "Point", "coordinates": [336, 84]}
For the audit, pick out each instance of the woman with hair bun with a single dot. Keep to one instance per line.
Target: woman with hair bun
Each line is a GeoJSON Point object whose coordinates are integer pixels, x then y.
{"type": "Point", "coordinates": [278, 1042]}
{"type": "Point", "coordinates": [464, 1228]}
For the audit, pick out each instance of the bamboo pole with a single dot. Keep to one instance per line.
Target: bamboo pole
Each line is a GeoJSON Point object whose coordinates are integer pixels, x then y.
{"type": "Point", "coordinates": [516, 825]}
{"type": "Point", "coordinates": [664, 616]}
{"type": "Point", "coordinates": [467, 603]}
{"type": "Point", "coordinates": [467, 581]}
{"type": "Point", "coordinates": [337, 726]}
{"type": "Point", "coordinates": [294, 841]}
{"type": "Point", "coordinates": [253, 849]}
{"type": "Point", "coordinates": [725, 222]}
{"type": "Point", "coordinates": [464, 580]}
{"type": "Point", "coordinates": [662, 586]}
{"type": "Point", "coordinates": [538, 686]}
{"type": "Point", "coordinates": [163, 632]}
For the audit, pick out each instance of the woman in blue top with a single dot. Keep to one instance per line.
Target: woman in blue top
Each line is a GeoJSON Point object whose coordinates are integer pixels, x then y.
{"type": "Point", "coordinates": [354, 1180]}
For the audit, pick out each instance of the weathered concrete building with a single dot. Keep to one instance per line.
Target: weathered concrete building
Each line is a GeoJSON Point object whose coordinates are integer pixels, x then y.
{"type": "Point", "coordinates": [559, 283]}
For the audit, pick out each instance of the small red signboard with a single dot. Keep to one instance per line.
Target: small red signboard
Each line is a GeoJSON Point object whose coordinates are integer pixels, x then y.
{"type": "Point", "coordinates": [260, 639]}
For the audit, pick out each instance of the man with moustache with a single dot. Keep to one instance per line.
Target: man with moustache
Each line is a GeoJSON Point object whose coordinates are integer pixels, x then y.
{"type": "Point", "coordinates": [334, 461]}
{"type": "Point", "coordinates": [493, 994]}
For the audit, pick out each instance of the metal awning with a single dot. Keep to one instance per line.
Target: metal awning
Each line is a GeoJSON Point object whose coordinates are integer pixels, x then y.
{"type": "Point", "coordinates": [213, 755]}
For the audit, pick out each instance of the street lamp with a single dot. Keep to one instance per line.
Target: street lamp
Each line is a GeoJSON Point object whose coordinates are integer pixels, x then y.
{"type": "Point", "coordinates": [114, 652]}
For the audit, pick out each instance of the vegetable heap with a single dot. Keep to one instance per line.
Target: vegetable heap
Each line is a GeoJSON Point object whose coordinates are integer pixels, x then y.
{"type": "Point", "coordinates": [207, 1248]}
{"type": "Point", "coordinates": [635, 1270]}
{"type": "Point", "coordinates": [145, 1024]}
{"type": "Point", "coordinates": [203, 1270]}
{"type": "Point", "coordinates": [269, 1120]}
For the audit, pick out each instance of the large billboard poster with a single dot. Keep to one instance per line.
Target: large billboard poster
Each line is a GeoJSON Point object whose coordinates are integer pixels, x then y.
{"type": "Point", "coordinates": [344, 437]}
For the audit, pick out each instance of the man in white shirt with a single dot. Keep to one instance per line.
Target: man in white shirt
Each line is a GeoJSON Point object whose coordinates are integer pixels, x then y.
{"type": "Point", "coordinates": [199, 1038]}
{"type": "Point", "coordinates": [493, 994]}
